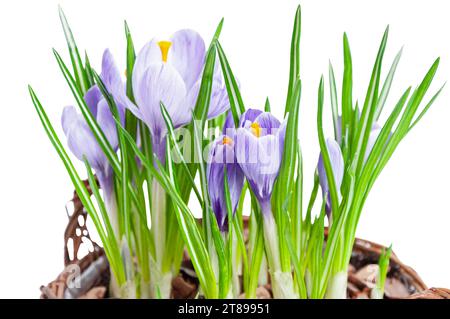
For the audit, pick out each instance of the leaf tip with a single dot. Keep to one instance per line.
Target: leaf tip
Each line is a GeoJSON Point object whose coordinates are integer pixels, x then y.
{"type": "Point", "coordinates": [127, 28]}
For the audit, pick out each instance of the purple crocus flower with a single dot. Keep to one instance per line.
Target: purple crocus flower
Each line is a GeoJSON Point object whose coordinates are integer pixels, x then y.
{"type": "Point", "coordinates": [259, 148]}
{"type": "Point", "coordinates": [222, 155]}
{"type": "Point", "coordinates": [375, 131]}
{"type": "Point", "coordinates": [170, 72]}
{"type": "Point", "coordinates": [80, 138]}
{"type": "Point", "coordinates": [337, 165]}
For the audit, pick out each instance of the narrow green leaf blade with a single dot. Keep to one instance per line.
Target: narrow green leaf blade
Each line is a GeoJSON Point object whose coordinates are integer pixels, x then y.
{"type": "Point", "coordinates": [234, 95]}
{"type": "Point", "coordinates": [80, 74]}
{"type": "Point", "coordinates": [294, 69]}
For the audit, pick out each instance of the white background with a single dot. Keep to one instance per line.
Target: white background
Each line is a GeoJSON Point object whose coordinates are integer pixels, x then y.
{"type": "Point", "coordinates": [408, 206]}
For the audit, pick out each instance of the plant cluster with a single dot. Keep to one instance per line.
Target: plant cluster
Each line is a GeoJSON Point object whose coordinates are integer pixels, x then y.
{"type": "Point", "coordinates": [177, 130]}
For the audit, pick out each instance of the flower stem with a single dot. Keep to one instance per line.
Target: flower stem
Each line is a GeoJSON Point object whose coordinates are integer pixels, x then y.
{"type": "Point", "coordinates": [158, 218]}
{"type": "Point", "coordinates": [282, 282]}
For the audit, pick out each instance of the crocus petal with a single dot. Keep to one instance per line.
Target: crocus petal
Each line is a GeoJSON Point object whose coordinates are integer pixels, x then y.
{"type": "Point", "coordinates": [228, 125]}
{"type": "Point", "coordinates": [110, 73]}
{"type": "Point", "coordinates": [107, 124]}
{"type": "Point", "coordinates": [149, 54]}
{"type": "Point", "coordinates": [281, 134]}
{"type": "Point", "coordinates": [376, 130]}
{"type": "Point", "coordinates": [235, 182]}
{"type": "Point", "coordinates": [268, 123]}
{"type": "Point", "coordinates": [187, 55]}
{"type": "Point", "coordinates": [161, 83]}
{"type": "Point", "coordinates": [92, 97]}
{"type": "Point", "coordinates": [221, 155]}
{"type": "Point", "coordinates": [219, 102]}
{"type": "Point", "coordinates": [80, 139]}
{"type": "Point", "coordinates": [69, 118]}
{"type": "Point", "coordinates": [246, 119]}
{"type": "Point", "coordinates": [249, 115]}
{"type": "Point", "coordinates": [259, 159]}
{"type": "Point", "coordinates": [337, 165]}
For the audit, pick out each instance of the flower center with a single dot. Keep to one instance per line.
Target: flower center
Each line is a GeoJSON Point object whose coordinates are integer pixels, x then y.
{"type": "Point", "coordinates": [227, 141]}
{"type": "Point", "coordinates": [255, 129]}
{"type": "Point", "coordinates": [164, 46]}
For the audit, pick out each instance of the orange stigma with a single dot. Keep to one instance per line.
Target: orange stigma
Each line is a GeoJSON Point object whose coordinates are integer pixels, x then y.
{"type": "Point", "coordinates": [164, 46]}
{"type": "Point", "coordinates": [255, 129]}
{"type": "Point", "coordinates": [227, 141]}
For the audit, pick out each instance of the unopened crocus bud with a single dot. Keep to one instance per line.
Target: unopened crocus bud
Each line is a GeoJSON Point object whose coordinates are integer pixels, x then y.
{"type": "Point", "coordinates": [259, 148]}
{"type": "Point", "coordinates": [337, 165]}
{"type": "Point", "coordinates": [221, 156]}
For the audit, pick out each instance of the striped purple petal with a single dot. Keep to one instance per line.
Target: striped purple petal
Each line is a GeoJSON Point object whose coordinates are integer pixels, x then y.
{"type": "Point", "coordinates": [337, 165]}
{"type": "Point", "coordinates": [222, 155]}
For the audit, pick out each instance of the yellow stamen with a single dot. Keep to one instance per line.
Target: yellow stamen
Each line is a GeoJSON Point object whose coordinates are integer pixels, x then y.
{"type": "Point", "coordinates": [256, 129]}
{"type": "Point", "coordinates": [164, 46]}
{"type": "Point", "coordinates": [227, 141]}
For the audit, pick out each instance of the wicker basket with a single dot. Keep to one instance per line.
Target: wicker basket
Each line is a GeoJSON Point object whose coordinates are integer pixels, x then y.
{"type": "Point", "coordinates": [402, 281]}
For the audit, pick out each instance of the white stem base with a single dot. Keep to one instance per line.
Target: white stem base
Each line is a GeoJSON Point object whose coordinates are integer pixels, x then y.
{"type": "Point", "coordinates": [162, 285]}
{"type": "Point", "coordinates": [337, 286]}
{"type": "Point", "coordinates": [376, 293]}
{"type": "Point", "coordinates": [158, 217]}
{"type": "Point", "coordinates": [271, 242]}
{"type": "Point", "coordinates": [263, 278]}
{"type": "Point", "coordinates": [145, 290]}
{"type": "Point", "coordinates": [308, 282]}
{"type": "Point", "coordinates": [283, 285]}
{"type": "Point", "coordinates": [127, 291]}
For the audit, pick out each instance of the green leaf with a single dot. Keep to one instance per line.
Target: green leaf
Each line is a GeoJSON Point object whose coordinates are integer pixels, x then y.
{"type": "Point", "coordinates": [405, 122]}
{"type": "Point", "coordinates": [387, 85]}
{"type": "Point", "coordinates": [426, 108]}
{"type": "Point", "coordinates": [241, 244]}
{"type": "Point", "coordinates": [283, 190]}
{"type": "Point", "coordinates": [334, 103]}
{"type": "Point", "coordinates": [87, 114]}
{"type": "Point", "coordinates": [335, 232]}
{"type": "Point", "coordinates": [267, 105]}
{"type": "Point", "coordinates": [298, 270]}
{"type": "Point", "coordinates": [204, 96]}
{"type": "Point", "coordinates": [370, 107]}
{"type": "Point", "coordinates": [347, 85]}
{"type": "Point", "coordinates": [231, 263]}
{"type": "Point", "coordinates": [131, 122]}
{"type": "Point", "coordinates": [78, 69]}
{"type": "Point", "coordinates": [121, 171]}
{"type": "Point", "coordinates": [297, 207]}
{"type": "Point", "coordinates": [88, 69]}
{"type": "Point", "coordinates": [234, 95]}
{"type": "Point", "coordinates": [325, 154]}
{"type": "Point", "coordinates": [294, 70]}
{"type": "Point", "coordinates": [383, 264]}
{"type": "Point", "coordinates": [285, 179]}
{"type": "Point", "coordinates": [80, 187]}
{"type": "Point", "coordinates": [200, 115]}
{"type": "Point", "coordinates": [188, 226]}
{"type": "Point", "coordinates": [224, 278]}
{"type": "Point", "coordinates": [93, 125]}
{"type": "Point", "coordinates": [173, 139]}
{"type": "Point", "coordinates": [96, 192]}
{"type": "Point", "coordinates": [372, 161]}
{"type": "Point", "coordinates": [131, 58]}
{"type": "Point", "coordinates": [257, 253]}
